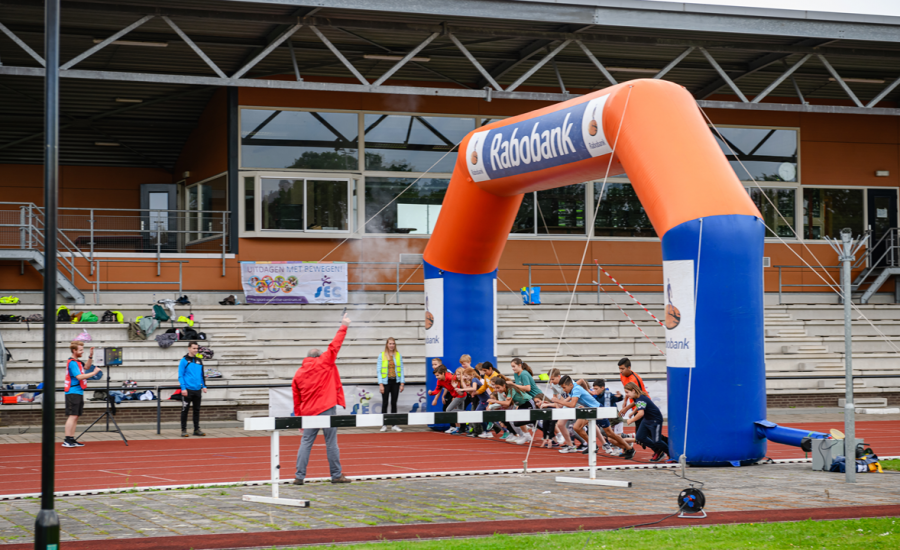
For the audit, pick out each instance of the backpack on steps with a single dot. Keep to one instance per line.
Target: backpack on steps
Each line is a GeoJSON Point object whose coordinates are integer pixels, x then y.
{"type": "Point", "coordinates": [108, 317]}
{"type": "Point", "coordinates": [63, 315]}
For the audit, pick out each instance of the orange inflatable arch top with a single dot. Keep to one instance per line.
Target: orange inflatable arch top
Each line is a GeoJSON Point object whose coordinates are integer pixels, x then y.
{"type": "Point", "coordinates": [661, 142]}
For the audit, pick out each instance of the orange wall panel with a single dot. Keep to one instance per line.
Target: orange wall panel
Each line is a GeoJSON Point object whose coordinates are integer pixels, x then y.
{"type": "Point", "coordinates": [848, 164]}
{"type": "Point", "coordinates": [205, 153]}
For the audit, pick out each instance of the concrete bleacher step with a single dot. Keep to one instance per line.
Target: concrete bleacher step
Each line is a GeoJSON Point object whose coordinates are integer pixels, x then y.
{"type": "Point", "coordinates": [219, 318]}
{"type": "Point", "coordinates": [828, 366]}
{"type": "Point", "coordinates": [786, 333]}
{"type": "Point", "coordinates": [840, 384]}
{"type": "Point", "coordinates": [772, 316]}
{"type": "Point", "coordinates": [227, 336]}
{"type": "Point", "coordinates": [805, 348]}
{"type": "Point", "coordinates": [239, 355]}
{"type": "Point", "coordinates": [871, 402]}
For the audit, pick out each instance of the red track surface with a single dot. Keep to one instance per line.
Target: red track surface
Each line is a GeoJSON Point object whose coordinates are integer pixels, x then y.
{"type": "Point", "coordinates": [465, 529]}
{"type": "Point", "coordinates": [110, 464]}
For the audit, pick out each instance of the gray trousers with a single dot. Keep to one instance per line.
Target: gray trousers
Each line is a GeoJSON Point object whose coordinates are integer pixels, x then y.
{"type": "Point", "coordinates": [309, 437]}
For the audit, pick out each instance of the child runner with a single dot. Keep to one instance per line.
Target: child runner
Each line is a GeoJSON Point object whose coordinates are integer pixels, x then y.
{"type": "Point", "coordinates": [515, 399]}
{"type": "Point", "coordinates": [578, 396]}
{"type": "Point", "coordinates": [499, 401]}
{"type": "Point", "coordinates": [468, 385]}
{"type": "Point", "coordinates": [445, 382]}
{"type": "Point", "coordinates": [524, 383]}
{"type": "Point", "coordinates": [649, 433]}
{"type": "Point", "coordinates": [626, 375]}
{"type": "Point", "coordinates": [606, 399]}
{"type": "Point", "coordinates": [483, 394]}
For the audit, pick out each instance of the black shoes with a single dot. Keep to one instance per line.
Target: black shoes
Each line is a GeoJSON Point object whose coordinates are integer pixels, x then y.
{"type": "Point", "coordinates": [629, 454]}
{"type": "Point", "coordinates": [298, 481]}
{"type": "Point", "coordinates": [184, 433]}
{"type": "Point", "coordinates": [229, 301]}
{"type": "Point", "coordinates": [183, 301]}
{"type": "Point", "coordinates": [199, 433]}
{"type": "Point", "coordinates": [72, 443]}
{"type": "Point", "coordinates": [341, 479]}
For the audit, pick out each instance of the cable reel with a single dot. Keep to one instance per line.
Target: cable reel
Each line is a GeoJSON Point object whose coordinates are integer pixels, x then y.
{"type": "Point", "coordinates": [691, 502]}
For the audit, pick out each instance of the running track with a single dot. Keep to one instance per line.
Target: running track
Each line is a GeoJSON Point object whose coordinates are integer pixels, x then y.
{"type": "Point", "coordinates": [110, 464]}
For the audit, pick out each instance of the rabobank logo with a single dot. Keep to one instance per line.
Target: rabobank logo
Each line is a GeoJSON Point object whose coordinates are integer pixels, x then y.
{"type": "Point", "coordinates": [554, 139]}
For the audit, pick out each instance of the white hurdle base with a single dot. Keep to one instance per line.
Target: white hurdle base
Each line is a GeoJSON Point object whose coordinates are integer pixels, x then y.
{"type": "Point", "coordinates": [587, 481]}
{"type": "Point", "coordinates": [592, 464]}
{"type": "Point", "coordinates": [276, 468]}
{"type": "Point", "coordinates": [275, 500]}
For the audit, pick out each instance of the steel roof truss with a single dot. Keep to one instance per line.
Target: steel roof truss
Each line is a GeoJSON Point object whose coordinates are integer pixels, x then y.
{"type": "Point", "coordinates": [12, 36]}
{"type": "Point", "coordinates": [487, 76]}
{"type": "Point", "coordinates": [562, 85]}
{"type": "Point", "coordinates": [537, 66]}
{"type": "Point", "coordinates": [673, 63]}
{"type": "Point", "coordinates": [194, 47]}
{"type": "Point", "coordinates": [340, 56]}
{"type": "Point", "coordinates": [840, 81]}
{"type": "Point", "coordinates": [405, 59]}
{"type": "Point", "coordinates": [724, 75]}
{"type": "Point", "coordinates": [109, 40]}
{"type": "Point", "coordinates": [267, 50]}
{"type": "Point", "coordinates": [771, 87]}
{"type": "Point", "coordinates": [294, 61]}
{"type": "Point", "coordinates": [883, 93]}
{"type": "Point", "coordinates": [596, 63]}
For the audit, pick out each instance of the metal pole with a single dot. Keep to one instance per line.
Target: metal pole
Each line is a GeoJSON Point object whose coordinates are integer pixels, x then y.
{"type": "Point", "coordinates": [159, 408]}
{"type": "Point", "coordinates": [159, 243]}
{"type": "Point", "coordinates": [46, 525]}
{"type": "Point", "coordinates": [398, 283]}
{"type": "Point", "coordinates": [224, 225]}
{"type": "Point", "coordinates": [779, 285]}
{"type": "Point", "coordinates": [592, 447]}
{"type": "Point", "coordinates": [849, 411]}
{"type": "Point", "coordinates": [92, 241]}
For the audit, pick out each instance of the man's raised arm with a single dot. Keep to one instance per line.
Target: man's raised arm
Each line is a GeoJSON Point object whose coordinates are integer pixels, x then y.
{"type": "Point", "coordinates": [334, 347]}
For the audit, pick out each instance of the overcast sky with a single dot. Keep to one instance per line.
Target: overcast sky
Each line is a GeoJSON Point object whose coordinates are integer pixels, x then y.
{"type": "Point", "coordinates": [872, 7]}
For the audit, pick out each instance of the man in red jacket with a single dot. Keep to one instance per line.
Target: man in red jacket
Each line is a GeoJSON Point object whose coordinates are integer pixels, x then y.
{"type": "Point", "coordinates": [317, 392]}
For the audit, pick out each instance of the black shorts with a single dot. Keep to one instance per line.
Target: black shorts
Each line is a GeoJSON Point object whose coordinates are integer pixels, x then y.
{"type": "Point", "coordinates": [74, 404]}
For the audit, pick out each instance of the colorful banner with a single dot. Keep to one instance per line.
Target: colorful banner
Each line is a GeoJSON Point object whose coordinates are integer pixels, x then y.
{"type": "Point", "coordinates": [294, 282]}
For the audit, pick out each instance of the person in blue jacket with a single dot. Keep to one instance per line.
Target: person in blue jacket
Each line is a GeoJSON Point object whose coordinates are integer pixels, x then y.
{"type": "Point", "coordinates": [192, 380]}
{"type": "Point", "coordinates": [390, 378]}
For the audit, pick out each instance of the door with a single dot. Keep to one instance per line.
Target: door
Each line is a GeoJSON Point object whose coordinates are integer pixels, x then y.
{"type": "Point", "coordinates": [882, 219]}
{"type": "Point", "coordinates": [159, 221]}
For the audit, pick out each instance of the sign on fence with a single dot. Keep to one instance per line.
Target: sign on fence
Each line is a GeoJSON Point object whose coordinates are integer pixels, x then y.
{"type": "Point", "coordinates": [294, 282]}
{"type": "Point", "coordinates": [360, 399]}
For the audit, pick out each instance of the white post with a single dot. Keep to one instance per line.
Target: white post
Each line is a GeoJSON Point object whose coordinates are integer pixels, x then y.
{"type": "Point", "coordinates": [592, 447]}
{"type": "Point", "coordinates": [276, 462]}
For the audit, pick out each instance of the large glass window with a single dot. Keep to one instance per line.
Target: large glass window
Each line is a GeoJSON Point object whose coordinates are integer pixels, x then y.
{"type": "Point", "coordinates": [202, 199]}
{"type": "Point", "coordinates": [304, 205]}
{"type": "Point", "coordinates": [249, 203]}
{"type": "Point", "coordinates": [768, 154]}
{"type": "Point", "coordinates": [620, 213]}
{"type": "Point", "coordinates": [526, 217]}
{"type": "Point", "coordinates": [414, 212]}
{"type": "Point", "coordinates": [561, 210]}
{"type": "Point", "coordinates": [828, 211]}
{"type": "Point", "coordinates": [782, 220]}
{"type": "Point", "coordinates": [413, 143]}
{"type": "Point", "coordinates": [299, 139]}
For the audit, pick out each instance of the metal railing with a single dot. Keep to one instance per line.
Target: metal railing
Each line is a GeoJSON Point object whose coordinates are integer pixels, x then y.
{"type": "Point", "coordinates": [394, 268]}
{"type": "Point", "coordinates": [83, 232]}
{"type": "Point", "coordinates": [596, 282]}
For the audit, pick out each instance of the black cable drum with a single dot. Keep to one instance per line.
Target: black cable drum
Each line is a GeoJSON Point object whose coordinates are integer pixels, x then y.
{"type": "Point", "coordinates": [691, 500]}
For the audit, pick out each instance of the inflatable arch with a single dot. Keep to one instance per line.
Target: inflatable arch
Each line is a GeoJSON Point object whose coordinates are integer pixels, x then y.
{"type": "Point", "coordinates": [712, 245]}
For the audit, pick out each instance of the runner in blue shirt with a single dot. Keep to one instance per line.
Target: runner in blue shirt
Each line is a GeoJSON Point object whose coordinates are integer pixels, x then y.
{"type": "Point", "coordinates": [581, 397]}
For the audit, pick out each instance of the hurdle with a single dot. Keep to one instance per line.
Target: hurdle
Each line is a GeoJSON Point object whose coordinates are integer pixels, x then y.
{"type": "Point", "coordinates": [275, 424]}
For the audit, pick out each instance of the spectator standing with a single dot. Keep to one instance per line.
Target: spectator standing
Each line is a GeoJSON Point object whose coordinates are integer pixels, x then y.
{"type": "Point", "coordinates": [318, 391]}
{"type": "Point", "coordinates": [390, 378]}
{"type": "Point", "coordinates": [192, 380]}
{"type": "Point", "coordinates": [75, 384]}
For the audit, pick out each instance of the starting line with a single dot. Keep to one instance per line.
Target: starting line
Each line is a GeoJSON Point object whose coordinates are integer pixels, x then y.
{"type": "Point", "coordinates": [274, 424]}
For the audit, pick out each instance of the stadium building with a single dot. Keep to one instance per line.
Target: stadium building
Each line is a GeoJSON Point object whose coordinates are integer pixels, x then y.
{"type": "Point", "coordinates": [196, 136]}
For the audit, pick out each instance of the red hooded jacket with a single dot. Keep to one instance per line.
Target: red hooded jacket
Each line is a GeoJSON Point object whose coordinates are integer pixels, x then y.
{"type": "Point", "coordinates": [317, 384]}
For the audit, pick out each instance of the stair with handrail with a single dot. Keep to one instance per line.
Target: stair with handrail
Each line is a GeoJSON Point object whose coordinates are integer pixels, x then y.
{"type": "Point", "coordinates": [880, 268]}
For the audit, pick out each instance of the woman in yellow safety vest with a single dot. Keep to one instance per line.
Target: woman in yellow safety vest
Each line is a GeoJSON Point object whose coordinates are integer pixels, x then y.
{"type": "Point", "coordinates": [390, 378]}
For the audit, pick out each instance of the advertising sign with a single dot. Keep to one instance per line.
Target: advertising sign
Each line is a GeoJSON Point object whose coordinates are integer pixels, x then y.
{"type": "Point", "coordinates": [434, 317]}
{"type": "Point", "coordinates": [554, 139]}
{"type": "Point", "coordinates": [294, 282]}
{"type": "Point", "coordinates": [678, 276]}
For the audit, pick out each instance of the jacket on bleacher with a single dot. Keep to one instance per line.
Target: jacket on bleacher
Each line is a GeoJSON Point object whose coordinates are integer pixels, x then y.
{"type": "Point", "coordinates": [317, 384]}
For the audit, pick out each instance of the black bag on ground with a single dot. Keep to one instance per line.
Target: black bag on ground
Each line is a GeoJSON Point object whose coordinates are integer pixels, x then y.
{"type": "Point", "coordinates": [109, 317]}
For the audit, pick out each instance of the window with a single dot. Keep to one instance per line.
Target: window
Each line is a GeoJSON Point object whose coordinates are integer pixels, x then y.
{"type": "Point", "coordinates": [413, 143]}
{"type": "Point", "coordinates": [414, 212]}
{"type": "Point", "coordinates": [769, 154]}
{"type": "Point", "coordinates": [620, 213]}
{"type": "Point", "coordinates": [206, 202]}
{"type": "Point", "coordinates": [299, 139]}
{"type": "Point", "coordinates": [559, 211]}
{"type": "Point", "coordinates": [784, 199]}
{"type": "Point", "coordinates": [249, 204]}
{"type": "Point", "coordinates": [525, 221]}
{"type": "Point", "coordinates": [290, 204]}
{"type": "Point", "coordinates": [827, 211]}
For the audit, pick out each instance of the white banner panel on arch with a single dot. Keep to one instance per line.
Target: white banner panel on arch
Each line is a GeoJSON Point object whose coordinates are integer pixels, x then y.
{"type": "Point", "coordinates": [678, 278]}
{"type": "Point", "coordinates": [434, 317]}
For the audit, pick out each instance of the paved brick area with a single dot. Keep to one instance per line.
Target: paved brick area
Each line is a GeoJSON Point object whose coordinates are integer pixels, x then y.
{"type": "Point", "coordinates": [441, 501]}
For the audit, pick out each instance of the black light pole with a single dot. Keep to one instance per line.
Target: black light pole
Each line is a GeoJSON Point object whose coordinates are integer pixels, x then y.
{"type": "Point", "coordinates": [46, 526]}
